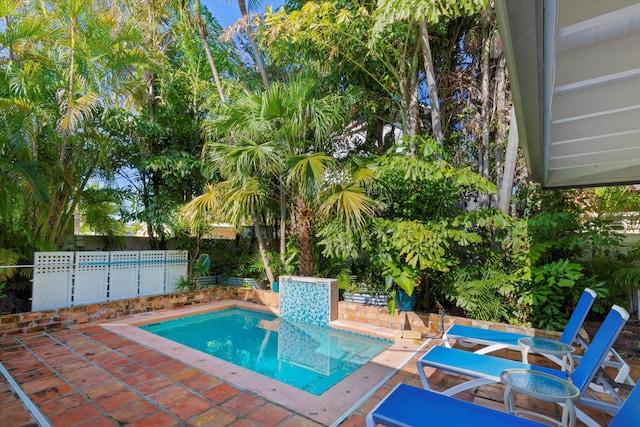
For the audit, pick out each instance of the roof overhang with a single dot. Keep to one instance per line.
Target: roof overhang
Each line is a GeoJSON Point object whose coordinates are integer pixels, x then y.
{"type": "Point", "coordinates": [574, 70]}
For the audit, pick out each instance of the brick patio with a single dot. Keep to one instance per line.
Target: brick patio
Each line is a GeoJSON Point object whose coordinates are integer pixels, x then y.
{"type": "Point", "coordinates": [89, 376]}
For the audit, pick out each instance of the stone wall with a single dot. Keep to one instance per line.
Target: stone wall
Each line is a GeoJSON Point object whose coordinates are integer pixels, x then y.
{"type": "Point", "coordinates": [627, 344]}
{"type": "Point", "coordinates": [47, 320]}
{"type": "Point", "coordinates": [425, 323]}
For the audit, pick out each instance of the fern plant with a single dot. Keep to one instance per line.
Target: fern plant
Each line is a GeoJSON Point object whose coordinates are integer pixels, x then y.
{"type": "Point", "coordinates": [484, 292]}
{"type": "Point", "coordinates": [619, 271]}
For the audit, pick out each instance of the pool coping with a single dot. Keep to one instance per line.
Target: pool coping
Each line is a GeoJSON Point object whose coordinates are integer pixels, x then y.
{"type": "Point", "coordinates": [325, 408]}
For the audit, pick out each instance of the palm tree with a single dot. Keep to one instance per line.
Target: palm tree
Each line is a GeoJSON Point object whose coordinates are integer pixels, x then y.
{"type": "Point", "coordinates": [424, 13]}
{"type": "Point", "coordinates": [277, 138]}
{"type": "Point", "coordinates": [305, 177]}
{"type": "Point", "coordinates": [197, 9]}
{"type": "Point", "coordinates": [320, 195]}
{"type": "Point", "coordinates": [248, 170]}
{"type": "Point", "coordinates": [246, 24]}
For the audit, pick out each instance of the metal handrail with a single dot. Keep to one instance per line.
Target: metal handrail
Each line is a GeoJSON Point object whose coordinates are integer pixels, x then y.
{"type": "Point", "coordinates": [84, 264]}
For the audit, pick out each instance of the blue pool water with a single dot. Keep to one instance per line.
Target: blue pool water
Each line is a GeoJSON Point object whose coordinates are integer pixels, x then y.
{"type": "Point", "coordinates": [308, 357]}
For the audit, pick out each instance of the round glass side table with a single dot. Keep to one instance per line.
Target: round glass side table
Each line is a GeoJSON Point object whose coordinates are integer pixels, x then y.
{"type": "Point", "coordinates": [540, 386]}
{"type": "Point", "coordinates": [547, 346]}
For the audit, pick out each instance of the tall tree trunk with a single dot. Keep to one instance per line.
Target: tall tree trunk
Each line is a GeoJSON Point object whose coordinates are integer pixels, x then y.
{"type": "Point", "coordinates": [409, 103]}
{"type": "Point", "coordinates": [306, 266]}
{"type": "Point", "coordinates": [483, 152]}
{"type": "Point", "coordinates": [380, 136]}
{"type": "Point", "coordinates": [7, 28]}
{"type": "Point", "coordinates": [254, 47]}
{"type": "Point", "coordinates": [149, 78]}
{"type": "Point", "coordinates": [504, 199]}
{"type": "Point", "coordinates": [436, 117]}
{"type": "Point", "coordinates": [71, 92]}
{"type": "Point", "coordinates": [412, 111]}
{"type": "Point", "coordinates": [485, 136]}
{"type": "Point", "coordinates": [500, 118]}
{"type": "Point", "coordinates": [265, 80]}
{"type": "Point", "coordinates": [75, 196]}
{"type": "Point", "coordinates": [207, 49]}
{"type": "Point", "coordinates": [261, 247]}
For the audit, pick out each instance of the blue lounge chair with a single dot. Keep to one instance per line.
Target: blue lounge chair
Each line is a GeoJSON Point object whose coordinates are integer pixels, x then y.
{"type": "Point", "coordinates": [408, 406]}
{"type": "Point", "coordinates": [485, 369]}
{"type": "Point", "coordinates": [469, 336]}
{"type": "Point", "coordinates": [498, 340]}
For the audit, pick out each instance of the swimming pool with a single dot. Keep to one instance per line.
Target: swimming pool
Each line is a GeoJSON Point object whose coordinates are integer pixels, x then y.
{"type": "Point", "coordinates": [307, 357]}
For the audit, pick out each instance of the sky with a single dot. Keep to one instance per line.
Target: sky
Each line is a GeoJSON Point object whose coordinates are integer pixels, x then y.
{"type": "Point", "coordinates": [227, 11]}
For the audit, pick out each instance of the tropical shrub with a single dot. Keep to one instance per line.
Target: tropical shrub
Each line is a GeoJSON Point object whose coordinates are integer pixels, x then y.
{"type": "Point", "coordinates": [420, 223]}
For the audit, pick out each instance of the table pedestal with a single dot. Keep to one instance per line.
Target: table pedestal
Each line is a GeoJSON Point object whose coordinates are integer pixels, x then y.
{"type": "Point", "coordinates": [541, 386]}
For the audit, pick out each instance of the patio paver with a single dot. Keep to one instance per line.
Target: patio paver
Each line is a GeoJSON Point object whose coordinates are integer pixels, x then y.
{"type": "Point", "coordinates": [89, 376]}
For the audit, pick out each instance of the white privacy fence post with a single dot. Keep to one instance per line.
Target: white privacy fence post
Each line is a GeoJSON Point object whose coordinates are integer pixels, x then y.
{"type": "Point", "coordinates": [91, 274]}
{"type": "Point", "coordinates": [176, 266]}
{"type": "Point", "coordinates": [151, 272]}
{"type": "Point", "coordinates": [52, 280]}
{"type": "Point", "coordinates": [123, 275]}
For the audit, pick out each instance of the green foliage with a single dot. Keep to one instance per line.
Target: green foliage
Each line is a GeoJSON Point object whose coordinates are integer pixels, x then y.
{"type": "Point", "coordinates": [8, 257]}
{"type": "Point", "coordinates": [552, 284]}
{"type": "Point", "coordinates": [405, 277]}
{"type": "Point", "coordinates": [419, 226]}
{"type": "Point", "coordinates": [198, 269]}
{"type": "Point", "coordinates": [419, 245]}
{"type": "Point", "coordinates": [345, 280]}
{"type": "Point", "coordinates": [488, 298]}
{"type": "Point", "coordinates": [487, 285]}
{"type": "Point", "coordinates": [617, 272]}
{"type": "Point", "coordinates": [100, 210]}
{"type": "Point", "coordinates": [253, 267]}
{"type": "Point", "coordinates": [185, 284]}
{"type": "Point", "coordinates": [201, 267]}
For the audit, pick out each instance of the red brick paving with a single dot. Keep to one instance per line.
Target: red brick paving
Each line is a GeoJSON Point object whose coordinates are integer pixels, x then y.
{"type": "Point", "coordinates": [159, 419]}
{"type": "Point", "coordinates": [221, 393]}
{"type": "Point", "coordinates": [491, 395]}
{"type": "Point", "coordinates": [12, 411]}
{"type": "Point", "coordinates": [92, 377]}
{"type": "Point", "coordinates": [190, 407]}
{"type": "Point", "coordinates": [269, 415]}
{"type": "Point", "coordinates": [243, 404]}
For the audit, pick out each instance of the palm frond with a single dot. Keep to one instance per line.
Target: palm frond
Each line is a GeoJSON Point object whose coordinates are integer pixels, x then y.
{"type": "Point", "coordinates": [351, 204]}
{"type": "Point", "coordinates": [76, 111]}
{"type": "Point", "coordinates": [8, 257]}
{"type": "Point", "coordinates": [30, 179]}
{"type": "Point", "coordinates": [205, 205]}
{"type": "Point", "coordinates": [307, 172]}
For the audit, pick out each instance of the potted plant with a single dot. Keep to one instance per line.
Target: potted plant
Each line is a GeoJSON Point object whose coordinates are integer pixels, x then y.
{"type": "Point", "coordinates": [199, 269]}
{"type": "Point", "coordinates": [359, 292]}
{"type": "Point", "coordinates": [400, 282]}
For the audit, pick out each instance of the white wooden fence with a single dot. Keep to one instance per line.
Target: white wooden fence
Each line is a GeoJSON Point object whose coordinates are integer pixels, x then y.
{"type": "Point", "coordinates": [66, 279]}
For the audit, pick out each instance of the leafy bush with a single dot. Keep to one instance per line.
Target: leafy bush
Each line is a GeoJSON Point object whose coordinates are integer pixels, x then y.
{"type": "Point", "coordinates": [420, 225]}
{"type": "Point", "coordinates": [552, 284]}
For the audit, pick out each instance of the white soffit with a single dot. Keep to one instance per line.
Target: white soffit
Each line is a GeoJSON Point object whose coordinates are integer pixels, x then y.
{"type": "Point", "coordinates": [586, 129]}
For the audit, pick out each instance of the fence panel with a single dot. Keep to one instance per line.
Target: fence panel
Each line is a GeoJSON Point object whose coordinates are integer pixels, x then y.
{"type": "Point", "coordinates": [123, 276]}
{"type": "Point", "coordinates": [152, 272]}
{"type": "Point", "coordinates": [91, 273]}
{"type": "Point", "coordinates": [52, 280]}
{"type": "Point", "coordinates": [103, 276]}
{"type": "Point", "coordinates": [176, 262]}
